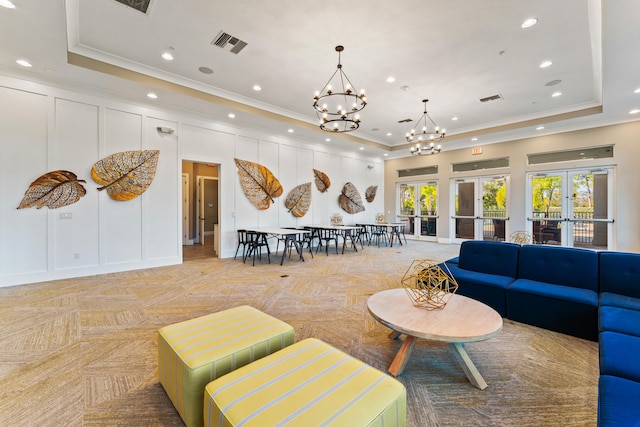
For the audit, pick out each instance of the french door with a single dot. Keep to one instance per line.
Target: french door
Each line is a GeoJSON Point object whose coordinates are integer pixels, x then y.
{"type": "Point", "coordinates": [480, 208]}
{"type": "Point", "coordinates": [571, 208]}
{"type": "Point", "coordinates": [418, 208]}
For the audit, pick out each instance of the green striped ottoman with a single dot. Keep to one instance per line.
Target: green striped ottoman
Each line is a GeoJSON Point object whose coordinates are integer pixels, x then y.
{"type": "Point", "coordinates": [197, 351]}
{"type": "Point", "coordinates": [309, 383]}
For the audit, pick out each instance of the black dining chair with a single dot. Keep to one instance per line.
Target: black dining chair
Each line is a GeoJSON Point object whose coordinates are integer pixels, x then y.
{"type": "Point", "coordinates": [243, 241]}
{"type": "Point", "coordinates": [326, 236]}
{"type": "Point", "coordinates": [257, 241]}
{"type": "Point", "coordinates": [378, 233]}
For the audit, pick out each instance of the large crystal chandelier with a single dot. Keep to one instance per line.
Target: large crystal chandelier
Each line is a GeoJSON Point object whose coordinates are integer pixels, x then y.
{"type": "Point", "coordinates": [338, 103]}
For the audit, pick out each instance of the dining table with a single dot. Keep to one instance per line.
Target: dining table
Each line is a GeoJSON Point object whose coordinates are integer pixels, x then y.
{"type": "Point", "coordinates": [393, 227]}
{"type": "Point", "coordinates": [345, 231]}
{"type": "Point", "coordinates": [289, 235]}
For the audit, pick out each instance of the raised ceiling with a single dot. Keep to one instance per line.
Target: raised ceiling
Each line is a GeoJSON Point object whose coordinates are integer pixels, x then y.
{"type": "Point", "coordinates": [453, 52]}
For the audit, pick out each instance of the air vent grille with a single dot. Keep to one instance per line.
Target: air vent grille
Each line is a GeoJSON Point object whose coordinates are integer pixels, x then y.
{"type": "Point", "coordinates": [228, 42]}
{"type": "Point", "coordinates": [491, 98]}
{"type": "Point", "coordinates": [139, 5]}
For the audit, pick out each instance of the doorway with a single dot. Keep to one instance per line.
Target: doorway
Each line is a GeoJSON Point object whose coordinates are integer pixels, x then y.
{"type": "Point", "coordinates": [480, 208]}
{"type": "Point", "coordinates": [200, 210]}
{"type": "Point", "coordinates": [418, 207]}
{"type": "Point", "coordinates": [571, 208]}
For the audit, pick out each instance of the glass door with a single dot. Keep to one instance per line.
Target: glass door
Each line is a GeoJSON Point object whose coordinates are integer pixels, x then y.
{"type": "Point", "coordinates": [480, 208]}
{"type": "Point", "coordinates": [418, 209]}
{"type": "Point", "coordinates": [572, 208]}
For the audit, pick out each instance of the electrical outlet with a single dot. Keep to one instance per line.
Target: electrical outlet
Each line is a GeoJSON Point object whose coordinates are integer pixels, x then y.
{"type": "Point", "coordinates": [65, 215]}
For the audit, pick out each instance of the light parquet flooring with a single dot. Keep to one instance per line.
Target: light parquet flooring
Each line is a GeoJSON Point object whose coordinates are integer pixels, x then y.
{"type": "Point", "coordinates": [82, 352]}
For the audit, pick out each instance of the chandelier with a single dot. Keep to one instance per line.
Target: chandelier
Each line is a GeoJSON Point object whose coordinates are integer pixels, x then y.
{"type": "Point", "coordinates": [427, 138]}
{"type": "Point", "coordinates": [338, 103]}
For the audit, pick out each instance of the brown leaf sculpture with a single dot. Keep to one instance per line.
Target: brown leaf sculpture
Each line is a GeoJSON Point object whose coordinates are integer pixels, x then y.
{"type": "Point", "coordinates": [370, 194]}
{"type": "Point", "coordinates": [322, 180]}
{"type": "Point", "coordinates": [350, 199]}
{"type": "Point", "coordinates": [127, 174]}
{"type": "Point", "coordinates": [53, 190]}
{"type": "Point", "coordinates": [258, 183]}
{"type": "Point", "coordinates": [299, 200]}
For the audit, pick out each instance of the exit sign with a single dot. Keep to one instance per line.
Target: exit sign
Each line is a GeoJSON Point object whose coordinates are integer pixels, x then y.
{"type": "Point", "coordinates": [476, 150]}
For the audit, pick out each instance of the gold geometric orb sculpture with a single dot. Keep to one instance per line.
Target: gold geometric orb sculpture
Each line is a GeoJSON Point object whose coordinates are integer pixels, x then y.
{"type": "Point", "coordinates": [428, 285]}
{"type": "Point", "coordinates": [521, 237]}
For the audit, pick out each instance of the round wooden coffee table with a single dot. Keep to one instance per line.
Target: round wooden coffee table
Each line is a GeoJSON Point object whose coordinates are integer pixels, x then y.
{"type": "Point", "coordinates": [463, 320]}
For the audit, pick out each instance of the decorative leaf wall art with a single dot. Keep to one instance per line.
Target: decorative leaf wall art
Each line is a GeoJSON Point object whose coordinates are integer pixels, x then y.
{"type": "Point", "coordinates": [127, 174]}
{"type": "Point", "coordinates": [370, 193]}
{"type": "Point", "coordinates": [299, 200]}
{"type": "Point", "coordinates": [53, 190]}
{"type": "Point", "coordinates": [350, 199]}
{"type": "Point", "coordinates": [258, 183]}
{"type": "Point", "coordinates": [322, 180]}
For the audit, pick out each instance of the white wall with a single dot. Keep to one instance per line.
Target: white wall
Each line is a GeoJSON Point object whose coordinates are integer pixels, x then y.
{"type": "Point", "coordinates": [43, 128]}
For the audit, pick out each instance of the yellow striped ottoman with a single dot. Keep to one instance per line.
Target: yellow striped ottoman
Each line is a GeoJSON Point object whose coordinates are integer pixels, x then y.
{"type": "Point", "coordinates": [197, 351]}
{"type": "Point", "coordinates": [309, 383]}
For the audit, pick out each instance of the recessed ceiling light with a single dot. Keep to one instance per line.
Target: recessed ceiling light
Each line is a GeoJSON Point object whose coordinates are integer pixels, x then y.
{"type": "Point", "coordinates": [152, 95]}
{"type": "Point", "coordinates": [391, 79]}
{"type": "Point", "coordinates": [529, 23]}
{"type": "Point", "coordinates": [205, 70]}
{"type": "Point", "coordinates": [634, 111]}
{"type": "Point", "coordinates": [556, 94]}
{"type": "Point", "coordinates": [545, 64]}
{"type": "Point", "coordinates": [454, 118]}
{"type": "Point", "coordinates": [386, 154]}
{"type": "Point", "coordinates": [637, 90]}
{"type": "Point", "coordinates": [327, 140]}
{"type": "Point", "coordinates": [474, 139]}
{"type": "Point", "coordinates": [389, 134]}
{"type": "Point", "coordinates": [7, 4]}
{"type": "Point", "coordinates": [290, 130]}
{"type": "Point", "coordinates": [167, 56]}
{"type": "Point", "coordinates": [553, 82]}
{"type": "Point", "coordinates": [540, 128]}
{"type": "Point", "coordinates": [361, 148]}
{"type": "Point", "coordinates": [257, 88]}
{"type": "Point", "coordinates": [231, 116]}
{"type": "Point", "coordinates": [23, 62]}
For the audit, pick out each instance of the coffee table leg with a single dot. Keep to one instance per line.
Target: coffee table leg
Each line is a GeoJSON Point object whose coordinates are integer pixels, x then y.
{"type": "Point", "coordinates": [469, 368]}
{"type": "Point", "coordinates": [401, 359]}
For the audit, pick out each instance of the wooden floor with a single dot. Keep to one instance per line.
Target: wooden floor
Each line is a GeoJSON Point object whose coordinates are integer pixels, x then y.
{"type": "Point", "coordinates": [82, 352]}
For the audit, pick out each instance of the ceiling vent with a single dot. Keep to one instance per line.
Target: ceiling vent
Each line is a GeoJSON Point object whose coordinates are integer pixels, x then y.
{"type": "Point", "coordinates": [405, 121]}
{"type": "Point", "coordinates": [139, 5]}
{"type": "Point", "coordinates": [228, 42]}
{"type": "Point", "coordinates": [491, 98]}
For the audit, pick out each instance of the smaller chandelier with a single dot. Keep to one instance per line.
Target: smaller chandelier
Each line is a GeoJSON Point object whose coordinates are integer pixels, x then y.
{"type": "Point", "coordinates": [337, 104]}
{"type": "Point", "coordinates": [431, 148]}
{"type": "Point", "coordinates": [427, 138]}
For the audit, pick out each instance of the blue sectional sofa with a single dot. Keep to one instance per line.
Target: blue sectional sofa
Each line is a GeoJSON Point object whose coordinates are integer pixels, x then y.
{"type": "Point", "coordinates": [619, 339]}
{"type": "Point", "coordinates": [579, 292]}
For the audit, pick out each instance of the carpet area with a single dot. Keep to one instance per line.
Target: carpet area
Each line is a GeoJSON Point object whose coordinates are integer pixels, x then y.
{"type": "Point", "coordinates": [82, 352]}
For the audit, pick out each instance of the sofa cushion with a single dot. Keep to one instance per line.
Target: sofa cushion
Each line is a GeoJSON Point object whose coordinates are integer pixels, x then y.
{"type": "Point", "coordinates": [619, 355]}
{"type": "Point", "coordinates": [558, 265]}
{"type": "Point", "coordinates": [487, 288]}
{"type": "Point", "coordinates": [618, 402]}
{"type": "Point", "coordinates": [620, 273]}
{"type": "Point", "coordinates": [489, 257]}
{"type": "Point", "coordinates": [565, 309]}
{"type": "Point", "coordinates": [617, 319]}
{"type": "Point", "coordinates": [617, 300]}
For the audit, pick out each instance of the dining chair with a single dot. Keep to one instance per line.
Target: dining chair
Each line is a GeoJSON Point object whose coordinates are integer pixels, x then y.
{"type": "Point", "coordinates": [257, 241]}
{"type": "Point", "coordinates": [378, 233]}
{"type": "Point", "coordinates": [326, 236]}
{"type": "Point", "coordinates": [243, 241]}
